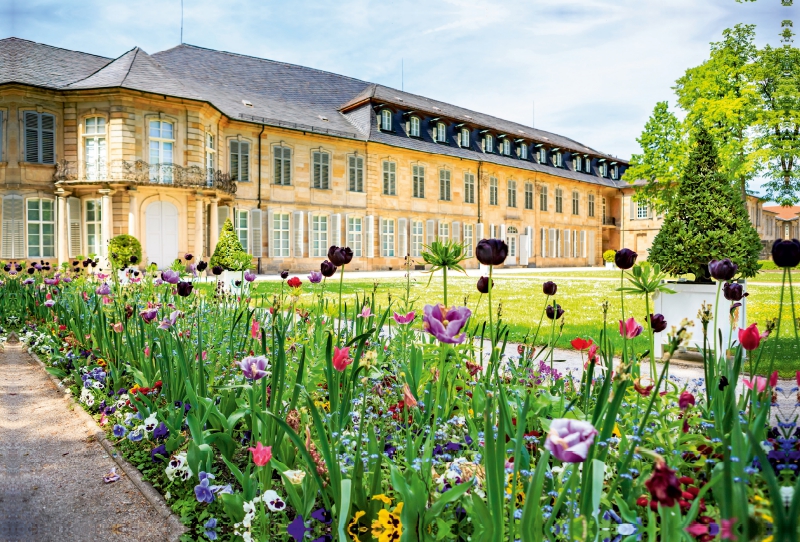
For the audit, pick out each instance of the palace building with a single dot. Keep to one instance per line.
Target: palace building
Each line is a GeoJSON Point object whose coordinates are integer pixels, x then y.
{"type": "Point", "coordinates": [167, 146]}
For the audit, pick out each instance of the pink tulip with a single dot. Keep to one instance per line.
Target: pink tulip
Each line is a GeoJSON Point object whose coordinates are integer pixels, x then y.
{"type": "Point", "coordinates": [749, 338]}
{"type": "Point", "coordinates": [341, 358]}
{"type": "Point", "coordinates": [255, 331]}
{"type": "Point", "coordinates": [118, 327]}
{"type": "Point", "coordinates": [759, 384]}
{"type": "Point", "coordinates": [365, 312]}
{"type": "Point", "coordinates": [261, 454]}
{"type": "Point", "coordinates": [404, 319]}
{"type": "Point", "coordinates": [686, 400]}
{"type": "Point", "coordinates": [408, 398]}
{"type": "Point", "coordinates": [726, 529]}
{"type": "Point", "coordinates": [630, 328]}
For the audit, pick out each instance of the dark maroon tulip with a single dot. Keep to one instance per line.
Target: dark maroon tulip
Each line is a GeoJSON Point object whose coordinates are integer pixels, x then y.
{"type": "Point", "coordinates": [327, 268]}
{"type": "Point", "coordinates": [217, 270]}
{"type": "Point", "coordinates": [554, 313]}
{"type": "Point", "coordinates": [491, 251]}
{"type": "Point", "coordinates": [202, 266]}
{"type": "Point", "coordinates": [134, 259]}
{"type": "Point", "coordinates": [188, 257]}
{"type": "Point", "coordinates": [663, 485]}
{"type": "Point", "coordinates": [284, 275]}
{"type": "Point", "coordinates": [733, 291]}
{"type": "Point", "coordinates": [31, 270]}
{"type": "Point", "coordinates": [658, 323]}
{"type": "Point", "coordinates": [339, 256]}
{"type": "Point", "coordinates": [723, 269]}
{"type": "Point", "coordinates": [6, 268]}
{"type": "Point", "coordinates": [18, 267]}
{"type": "Point", "coordinates": [549, 288]}
{"type": "Point", "coordinates": [184, 288]}
{"type": "Point", "coordinates": [625, 258]}
{"type": "Point", "coordinates": [483, 285]}
{"type": "Point", "coordinates": [786, 253]}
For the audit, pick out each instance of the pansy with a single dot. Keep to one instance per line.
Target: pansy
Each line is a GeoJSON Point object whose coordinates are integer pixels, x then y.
{"type": "Point", "coordinates": [202, 491]}
{"type": "Point", "coordinates": [273, 501]}
{"type": "Point", "coordinates": [119, 431]}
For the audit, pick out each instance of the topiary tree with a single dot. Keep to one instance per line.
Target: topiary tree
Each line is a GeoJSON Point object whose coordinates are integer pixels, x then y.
{"type": "Point", "coordinates": [706, 220]}
{"type": "Point", "coordinates": [121, 248]}
{"type": "Point", "coordinates": [229, 253]}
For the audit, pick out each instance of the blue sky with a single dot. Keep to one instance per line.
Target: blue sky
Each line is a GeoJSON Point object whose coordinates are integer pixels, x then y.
{"type": "Point", "coordinates": [594, 68]}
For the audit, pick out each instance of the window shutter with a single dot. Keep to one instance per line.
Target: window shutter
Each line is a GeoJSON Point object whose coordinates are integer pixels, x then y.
{"type": "Point", "coordinates": [287, 166]}
{"type": "Point", "coordinates": [503, 232]}
{"type": "Point", "coordinates": [478, 233]}
{"type": "Point", "coordinates": [311, 235]}
{"type": "Point", "coordinates": [244, 161]}
{"type": "Point", "coordinates": [234, 160]}
{"type": "Point", "coordinates": [402, 237]}
{"type": "Point", "coordinates": [583, 244]}
{"type": "Point", "coordinates": [255, 233]}
{"type": "Point", "coordinates": [529, 233]}
{"type": "Point", "coordinates": [335, 230]}
{"type": "Point", "coordinates": [270, 234]}
{"type": "Point", "coordinates": [633, 209]}
{"type": "Point", "coordinates": [223, 213]}
{"type": "Point", "coordinates": [552, 248]}
{"type": "Point", "coordinates": [13, 241]}
{"type": "Point", "coordinates": [31, 137]}
{"type": "Point", "coordinates": [567, 244]}
{"type": "Point", "coordinates": [74, 217]}
{"type": "Point", "coordinates": [543, 242]}
{"type": "Point", "coordinates": [297, 234]}
{"type": "Point", "coordinates": [456, 233]}
{"type": "Point", "coordinates": [48, 139]}
{"type": "Point", "coordinates": [316, 181]}
{"type": "Point", "coordinates": [430, 231]}
{"type": "Point", "coordinates": [369, 227]}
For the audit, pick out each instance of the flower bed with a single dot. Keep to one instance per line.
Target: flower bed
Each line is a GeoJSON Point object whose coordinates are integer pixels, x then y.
{"type": "Point", "coordinates": [296, 417]}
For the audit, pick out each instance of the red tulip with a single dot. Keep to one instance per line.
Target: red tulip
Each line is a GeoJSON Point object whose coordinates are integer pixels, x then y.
{"type": "Point", "coordinates": [581, 344]}
{"type": "Point", "coordinates": [341, 358]}
{"type": "Point", "coordinates": [663, 485]}
{"type": "Point", "coordinates": [630, 328]}
{"type": "Point", "coordinates": [294, 282]}
{"type": "Point", "coordinates": [686, 400]}
{"type": "Point", "coordinates": [749, 338]}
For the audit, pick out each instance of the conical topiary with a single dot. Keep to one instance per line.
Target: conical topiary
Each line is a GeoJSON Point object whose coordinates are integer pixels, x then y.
{"type": "Point", "coordinates": [706, 221]}
{"type": "Point", "coordinates": [229, 253]}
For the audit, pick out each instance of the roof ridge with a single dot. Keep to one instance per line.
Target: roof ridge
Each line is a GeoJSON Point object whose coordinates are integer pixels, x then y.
{"type": "Point", "coordinates": [9, 38]}
{"type": "Point", "coordinates": [106, 66]}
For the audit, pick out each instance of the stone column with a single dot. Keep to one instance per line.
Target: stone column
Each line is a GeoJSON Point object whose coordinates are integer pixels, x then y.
{"type": "Point", "coordinates": [214, 223]}
{"type": "Point", "coordinates": [62, 226]}
{"type": "Point", "coordinates": [133, 211]}
{"type": "Point", "coordinates": [198, 226]}
{"type": "Point", "coordinates": [107, 219]}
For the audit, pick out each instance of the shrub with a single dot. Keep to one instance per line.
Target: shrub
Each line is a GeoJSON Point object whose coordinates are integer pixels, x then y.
{"type": "Point", "coordinates": [121, 248]}
{"type": "Point", "coordinates": [229, 253]}
{"type": "Point", "coordinates": [608, 255]}
{"type": "Point", "coordinates": [706, 220]}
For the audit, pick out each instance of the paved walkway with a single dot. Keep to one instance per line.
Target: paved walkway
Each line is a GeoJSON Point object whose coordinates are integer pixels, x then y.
{"type": "Point", "coordinates": [51, 472]}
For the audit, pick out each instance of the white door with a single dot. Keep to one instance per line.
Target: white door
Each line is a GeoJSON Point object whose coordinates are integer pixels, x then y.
{"type": "Point", "coordinates": [161, 238]}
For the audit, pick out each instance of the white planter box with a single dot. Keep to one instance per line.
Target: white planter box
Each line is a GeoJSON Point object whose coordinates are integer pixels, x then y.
{"type": "Point", "coordinates": [610, 265]}
{"type": "Point", "coordinates": [230, 278]}
{"type": "Point", "coordinates": [685, 303]}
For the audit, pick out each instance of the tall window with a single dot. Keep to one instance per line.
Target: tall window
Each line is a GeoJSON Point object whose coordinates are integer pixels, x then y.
{"type": "Point", "coordinates": [94, 219]}
{"type": "Point", "coordinates": [40, 138]}
{"type": "Point", "coordinates": [41, 229]}
{"type": "Point", "coordinates": [543, 198]}
{"type": "Point", "coordinates": [444, 231]}
{"type": "Point", "coordinates": [577, 162]}
{"type": "Point", "coordinates": [418, 181]}
{"type": "Point", "coordinates": [283, 165]}
{"type": "Point", "coordinates": [542, 155]}
{"type": "Point", "coordinates": [493, 191]}
{"type": "Point", "coordinates": [389, 178]}
{"type": "Point", "coordinates": [209, 155]}
{"type": "Point", "coordinates": [591, 205]}
{"type": "Point", "coordinates": [321, 165]}
{"type": "Point", "coordinates": [512, 193]}
{"type": "Point", "coordinates": [529, 196]}
{"type": "Point", "coordinates": [162, 143]}
{"type": "Point", "coordinates": [242, 227]}
{"type": "Point", "coordinates": [587, 164]}
{"type": "Point", "coordinates": [642, 210]}
{"type": "Point", "coordinates": [506, 147]}
{"type": "Point", "coordinates": [614, 172]}
{"type": "Point", "coordinates": [355, 229]}
{"type": "Point", "coordinates": [416, 237]}
{"type": "Point", "coordinates": [557, 159]}
{"type": "Point", "coordinates": [603, 203]}
{"type": "Point", "coordinates": [575, 203]}
{"type": "Point", "coordinates": [444, 184]}
{"type": "Point", "coordinates": [94, 148]}
{"type": "Point", "coordinates": [464, 137]}
{"type": "Point", "coordinates": [240, 160]}
{"type": "Point", "coordinates": [469, 188]}
{"type": "Point", "coordinates": [440, 132]}
{"type": "Point", "coordinates": [319, 236]}
{"type": "Point", "coordinates": [413, 128]}
{"type": "Point", "coordinates": [559, 200]}
{"type": "Point", "coordinates": [602, 169]}
{"type": "Point", "coordinates": [387, 237]}
{"type": "Point", "coordinates": [386, 120]}
{"type": "Point", "coordinates": [468, 240]}
{"type": "Point", "coordinates": [355, 173]}
{"type": "Point", "coordinates": [523, 151]}
{"type": "Point", "coordinates": [280, 235]}
{"type": "Point", "coordinates": [511, 239]}
{"type": "Point", "coordinates": [488, 143]}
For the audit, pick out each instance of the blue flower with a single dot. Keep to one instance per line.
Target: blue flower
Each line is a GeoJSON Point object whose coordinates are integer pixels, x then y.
{"type": "Point", "coordinates": [119, 431]}
{"type": "Point", "coordinates": [202, 491]}
{"type": "Point", "coordinates": [136, 435]}
{"type": "Point", "coordinates": [211, 529]}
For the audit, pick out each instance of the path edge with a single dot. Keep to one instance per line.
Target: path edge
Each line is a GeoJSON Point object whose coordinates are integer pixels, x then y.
{"type": "Point", "coordinates": [152, 495]}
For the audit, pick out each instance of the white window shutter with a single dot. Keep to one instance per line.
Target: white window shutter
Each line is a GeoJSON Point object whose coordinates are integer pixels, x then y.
{"type": "Point", "coordinates": [479, 232]}
{"type": "Point", "coordinates": [529, 233]}
{"type": "Point", "coordinates": [567, 245]}
{"type": "Point", "coordinates": [336, 229]}
{"type": "Point", "coordinates": [430, 231]}
{"type": "Point", "coordinates": [551, 249]}
{"type": "Point", "coordinates": [369, 226]}
{"type": "Point", "coordinates": [223, 213]}
{"type": "Point", "coordinates": [456, 233]}
{"type": "Point", "coordinates": [13, 240]}
{"type": "Point", "coordinates": [543, 241]}
{"type": "Point", "coordinates": [74, 231]}
{"type": "Point", "coordinates": [583, 244]}
{"type": "Point", "coordinates": [402, 237]}
{"type": "Point", "coordinates": [503, 232]}
{"type": "Point", "coordinates": [255, 233]}
{"type": "Point", "coordinates": [297, 233]}
{"type": "Point", "coordinates": [311, 234]}
{"type": "Point", "coordinates": [270, 236]}
{"type": "Point", "coordinates": [381, 250]}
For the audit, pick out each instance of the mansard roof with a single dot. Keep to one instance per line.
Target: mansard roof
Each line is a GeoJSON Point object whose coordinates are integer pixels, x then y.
{"type": "Point", "coordinates": [37, 64]}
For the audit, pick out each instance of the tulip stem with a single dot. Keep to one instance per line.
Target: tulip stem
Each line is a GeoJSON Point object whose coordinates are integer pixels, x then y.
{"type": "Point", "coordinates": [341, 282]}
{"type": "Point", "coordinates": [444, 284]}
{"type": "Point", "coordinates": [491, 322]}
{"type": "Point", "coordinates": [651, 336]}
{"type": "Point", "coordinates": [780, 314]}
{"type": "Point", "coordinates": [716, 323]}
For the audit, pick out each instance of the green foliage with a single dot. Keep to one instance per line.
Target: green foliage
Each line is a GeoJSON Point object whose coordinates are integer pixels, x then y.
{"type": "Point", "coordinates": [608, 255]}
{"type": "Point", "coordinates": [707, 220]}
{"type": "Point", "coordinates": [447, 254]}
{"type": "Point", "coordinates": [229, 252]}
{"type": "Point", "coordinates": [768, 265]}
{"type": "Point", "coordinates": [121, 248]}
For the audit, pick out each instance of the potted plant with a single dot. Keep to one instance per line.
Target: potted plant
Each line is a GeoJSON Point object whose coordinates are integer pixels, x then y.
{"type": "Point", "coordinates": [125, 251]}
{"type": "Point", "coordinates": [608, 257]}
{"type": "Point", "coordinates": [707, 220]}
{"type": "Point", "coordinates": [230, 255]}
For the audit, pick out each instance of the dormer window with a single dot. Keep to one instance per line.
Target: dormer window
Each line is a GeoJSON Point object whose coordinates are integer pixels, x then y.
{"type": "Point", "coordinates": [506, 147]}
{"type": "Point", "coordinates": [440, 132]}
{"type": "Point", "coordinates": [577, 163]}
{"type": "Point", "coordinates": [557, 159]}
{"type": "Point", "coordinates": [488, 143]}
{"type": "Point", "coordinates": [615, 172]}
{"type": "Point", "coordinates": [602, 169]}
{"type": "Point", "coordinates": [587, 164]}
{"type": "Point", "coordinates": [413, 128]}
{"type": "Point", "coordinates": [386, 120]}
{"type": "Point", "coordinates": [542, 155]}
{"type": "Point", "coordinates": [523, 151]}
{"type": "Point", "coordinates": [464, 137]}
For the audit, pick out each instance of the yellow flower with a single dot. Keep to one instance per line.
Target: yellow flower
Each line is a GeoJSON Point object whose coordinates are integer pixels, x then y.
{"type": "Point", "coordinates": [616, 431]}
{"type": "Point", "coordinates": [388, 528]}
{"type": "Point", "coordinates": [354, 523]}
{"type": "Point", "coordinates": [383, 498]}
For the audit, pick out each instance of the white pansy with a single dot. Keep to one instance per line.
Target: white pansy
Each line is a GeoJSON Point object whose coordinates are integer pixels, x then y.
{"type": "Point", "coordinates": [273, 501]}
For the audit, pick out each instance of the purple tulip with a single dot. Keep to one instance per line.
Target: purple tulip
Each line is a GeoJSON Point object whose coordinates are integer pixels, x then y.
{"type": "Point", "coordinates": [483, 285]}
{"type": "Point", "coordinates": [217, 270]}
{"type": "Point", "coordinates": [733, 291]}
{"type": "Point", "coordinates": [284, 275]}
{"type": "Point", "coordinates": [625, 258]}
{"type": "Point", "coordinates": [201, 266]}
{"type": "Point", "coordinates": [173, 277]}
{"type": "Point", "coordinates": [491, 251]}
{"type": "Point", "coordinates": [723, 269]}
{"type": "Point", "coordinates": [170, 320]}
{"type": "Point", "coordinates": [340, 256]}
{"type": "Point", "coordinates": [188, 257]}
{"type": "Point", "coordinates": [104, 289]}
{"type": "Point", "coordinates": [327, 268]}
{"type": "Point", "coordinates": [786, 253]}
{"type": "Point", "coordinates": [315, 277]}
{"type": "Point", "coordinates": [446, 324]}
{"type": "Point", "coordinates": [249, 276]}
{"type": "Point", "coordinates": [658, 323]}
{"type": "Point", "coordinates": [569, 440]}
{"type": "Point", "coordinates": [184, 288]}
{"type": "Point", "coordinates": [554, 312]}
{"type": "Point", "coordinates": [254, 367]}
{"type": "Point", "coordinates": [49, 303]}
{"type": "Point", "coordinates": [549, 288]}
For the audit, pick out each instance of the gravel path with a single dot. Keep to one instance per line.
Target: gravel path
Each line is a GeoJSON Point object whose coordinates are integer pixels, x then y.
{"type": "Point", "coordinates": [51, 470]}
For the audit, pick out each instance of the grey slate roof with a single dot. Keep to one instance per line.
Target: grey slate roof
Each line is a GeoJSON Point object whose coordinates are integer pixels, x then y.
{"type": "Point", "coordinates": [31, 63]}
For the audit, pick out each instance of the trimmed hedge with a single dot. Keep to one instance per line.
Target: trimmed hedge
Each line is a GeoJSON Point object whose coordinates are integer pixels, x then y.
{"type": "Point", "coordinates": [121, 248]}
